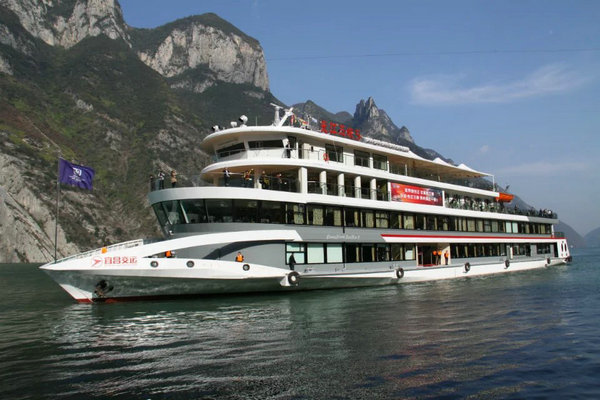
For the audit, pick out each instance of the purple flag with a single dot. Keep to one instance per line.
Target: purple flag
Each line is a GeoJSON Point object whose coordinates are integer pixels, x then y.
{"type": "Point", "coordinates": [75, 175]}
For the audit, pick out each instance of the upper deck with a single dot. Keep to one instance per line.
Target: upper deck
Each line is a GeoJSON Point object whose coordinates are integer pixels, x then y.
{"type": "Point", "coordinates": [341, 163]}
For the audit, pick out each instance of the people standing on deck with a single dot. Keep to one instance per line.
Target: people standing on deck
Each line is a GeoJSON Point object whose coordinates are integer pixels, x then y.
{"type": "Point", "coordinates": [264, 180]}
{"type": "Point", "coordinates": [279, 180]}
{"type": "Point", "coordinates": [288, 150]}
{"type": "Point", "coordinates": [292, 262]}
{"type": "Point", "coordinates": [226, 176]}
{"type": "Point", "coordinates": [173, 179]}
{"type": "Point", "coordinates": [161, 179]}
{"type": "Point", "coordinates": [446, 256]}
{"type": "Point", "coordinates": [239, 257]}
{"type": "Point", "coordinates": [152, 183]}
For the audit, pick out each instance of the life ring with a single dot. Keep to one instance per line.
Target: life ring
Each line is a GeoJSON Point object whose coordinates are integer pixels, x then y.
{"type": "Point", "coordinates": [246, 267]}
{"type": "Point", "coordinates": [467, 267]}
{"type": "Point", "coordinates": [506, 264]}
{"type": "Point", "coordinates": [293, 278]}
{"type": "Point", "coordinates": [190, 264]}
{"type": "Point", "coordinates": [154, 264]}
{"type": "Point", "coordinates": [326, 157]}
{"type": "Point", "coordinates": [399, 273]}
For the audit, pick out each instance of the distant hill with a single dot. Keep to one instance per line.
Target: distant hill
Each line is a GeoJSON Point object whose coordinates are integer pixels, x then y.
{"type": "Point", "coordinates": [592, 239]}
{"type": "Point", "coordinates": [573, 238]}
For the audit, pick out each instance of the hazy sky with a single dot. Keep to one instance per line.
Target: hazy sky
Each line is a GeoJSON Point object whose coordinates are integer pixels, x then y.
{"type": "Point", "coordinates": [507, 87]}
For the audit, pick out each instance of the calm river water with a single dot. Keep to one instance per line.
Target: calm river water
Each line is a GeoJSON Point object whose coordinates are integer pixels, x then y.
{"type": "Point", "coordinates": [526, 335]}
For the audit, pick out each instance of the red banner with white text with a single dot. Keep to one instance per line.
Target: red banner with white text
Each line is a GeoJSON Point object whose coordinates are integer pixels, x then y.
{"type": "Point", "coordinates": [416, 194]}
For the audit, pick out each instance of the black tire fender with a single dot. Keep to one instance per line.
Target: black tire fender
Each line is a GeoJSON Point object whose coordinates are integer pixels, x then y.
{"type": "Point", "coordinates": [400, 273]}
{"type": "Point", "coordinates": [467, 267]}
{"type": "Point", "coordinates": [293, 278]}
{"type": "Point", "coordinates": [506, 264]}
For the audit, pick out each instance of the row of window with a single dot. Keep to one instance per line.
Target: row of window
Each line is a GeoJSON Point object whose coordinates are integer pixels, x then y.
{"type": "Point", "coordinates": [323, 253]}
{"type": "Point", "coordinates": [261, 211]}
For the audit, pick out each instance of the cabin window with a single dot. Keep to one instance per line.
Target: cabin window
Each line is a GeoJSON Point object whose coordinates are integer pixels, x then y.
{"type": "Point", "coordinates": [219, 210]}
{"type": "Point", "coordinates": [195, 211]}
{"type": "Point", "coordinates": [174, 212]}
{"type": "Point", "coordinates": [335, 153]}
{"type": "Point", "coordinates": [397, 252]}
{"type": "Point", "coordinates": [383, 252]}
{"type": "Point", "coordinates": [395, 220]}
{"type": "Point", "coordinates": [295, 213]}
{"type": "Point", "coordinates": [352, 252]}
{"type": "Point", "coordinates": [245, 211]}
{"type": "Point", "coordinates": [479, 225]}
{"type": "Point", "coordinates": [431, 223]}
{"type": "Point", "coordinates": [315, 215]}
{"type": "Point", "coordinates": [470, 225]}
{"type": "Point", "coordinates": [265, 144]}
{"type": "Point", "coordinates": [361, 158]}
{"type": "Point", "coordinates": [271, 212]}
{"type": "Point", "coordinates": [297, 249]}
{"type": "Point", "coordinates": [409, 251]}
{"type": "Point", "coordinates": [368, 219]}
{"type": "Point", "coordinates": [231, 150]}
{"type": "Point", "coordinates": [409, 221]}
{"type": "Point", "coordinates": [494, 226]}
{"type": "Point", "coordinates": [443, 223]}
{"type": "Point", "coordinates": [333, 216]}
{"type": "Point", "coordinates": [315, 253]}
{"type": "Point", "coordinates": [379, 162]}
{"type": "Point", "coordinates": [381, 219]}
{"type": "Point", "coordinates": [160, 213]}
{"type": "Point", "coordinates": [352, 217]}
{"type": "Point", "coordinates": [420, 222]}
{"type": "Point", "coordinates": [367, 253]}
{"type": "Point", "coordinates": [335, 253]}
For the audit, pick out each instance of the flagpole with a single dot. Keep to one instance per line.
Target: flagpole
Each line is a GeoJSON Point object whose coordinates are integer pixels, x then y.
{"type": "Point", "coordinates": [56, 216]}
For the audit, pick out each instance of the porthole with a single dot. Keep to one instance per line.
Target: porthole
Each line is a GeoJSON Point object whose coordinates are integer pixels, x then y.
{"type": "Point", "coordinates": [190, 264]}
{"type": "Point", "coordinates": [154, 264]}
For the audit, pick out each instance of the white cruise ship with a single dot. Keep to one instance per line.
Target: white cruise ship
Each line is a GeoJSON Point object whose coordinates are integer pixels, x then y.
{"type": "Point", "coordinates": [293, 207]}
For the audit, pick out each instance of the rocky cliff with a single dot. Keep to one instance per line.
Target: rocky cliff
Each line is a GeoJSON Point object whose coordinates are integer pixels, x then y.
{"type": "Point", "coordinates": [208, 44]}
{"type": "Point", "coordinates": [376, 122]}
{"type": "Point", "coordinates": [196, 52]}
{"type": "Point", "coordinates": [67, 22]}
{"type": "Point", "coordinates": [75, 80]}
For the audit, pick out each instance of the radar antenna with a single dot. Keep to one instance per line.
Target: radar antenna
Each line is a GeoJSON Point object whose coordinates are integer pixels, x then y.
{"type": "Point", "coordinates": [276, 119]}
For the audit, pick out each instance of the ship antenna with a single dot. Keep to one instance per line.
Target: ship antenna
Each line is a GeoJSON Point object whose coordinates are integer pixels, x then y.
{"type": "Point", "coordinates": [276, 119]}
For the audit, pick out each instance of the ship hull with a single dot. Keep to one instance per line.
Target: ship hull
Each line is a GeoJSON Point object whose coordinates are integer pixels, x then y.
{"type": "Point", "coordinates": [87, 285]}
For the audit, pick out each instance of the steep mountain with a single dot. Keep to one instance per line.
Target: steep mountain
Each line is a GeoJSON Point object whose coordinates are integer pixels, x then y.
{"type": "Point", "coordinates": [372, 122]}
{"type": "Point", "coordinates": [592, 239]}
{"type": "Point", "coordinates": [206, 44]}
{"type": "Point", "coordinates": [74, 83]}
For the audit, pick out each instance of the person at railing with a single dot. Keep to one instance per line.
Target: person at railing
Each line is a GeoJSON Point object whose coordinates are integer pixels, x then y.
{"type": "Point", "coordinates": [288, 150]}
{"type": "Point", "coordinates": [248, 177]}
{"type": "Point", "coordinates": [161, 179]}
{"type": "Point", "coordinates": [173, 178]}
{"type": "Point", "coordinates": [264, 180]}
{"type": "Point", "coordinates": [239, 257]}
{"type": "Point", "coordinates": [226, 176]}
{"type": "Point", "coordinates": [152, 188]}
